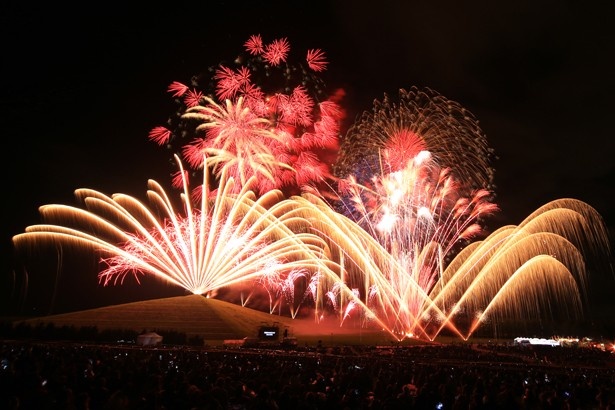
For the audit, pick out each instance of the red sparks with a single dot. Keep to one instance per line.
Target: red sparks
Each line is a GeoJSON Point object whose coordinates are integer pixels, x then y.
{"type": "Point", "coordinates": [296, 108]}
{"type": "Point", "coordinates": [309, 168]}
{"type": "Point", "coordinates": [193, 98]}
{"type": "Point", "coordinates": [159, 135]}
{"type": "Point", "coordinates": [178, 179]}
{"type": "Point", "coordinates": [268, 129]}
{"type": "Point", "coordinates": [302, 105]}
{"type": "Point", "coordinates": [332, 109]}
{"type": "Point", "coordinates": [231, 82]}
{"type": "Point", "coordinates": [178, 89]}
{"type": "Point", "coordinates": [326, 131]}
{"type": "Point", "coordinates": [316, 60]}
{"type": "Point", "coordinates": [277, 51]}
{"type": "Point", "coordinates": [259, 104]}
{"type": "Point", "coordinates": [193, 153]}
{"type": "Point", "coordinates": [254, 45]}
{"type": "Point", "coordinates": [401, 147]}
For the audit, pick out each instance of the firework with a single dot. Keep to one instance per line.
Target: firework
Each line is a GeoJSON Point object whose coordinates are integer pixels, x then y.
{"type": "Point", "coordinates": [516, 272]}
{"type": "Point", "coordinates": [393, 132]}
{"type": "Point", "coordinates": [259, 115]}
{"type": "Point", "coordinates": [300, 250]}
{"type": "Point", "coordinates": [392, 235]}
{"type": "Point", "coordinates": [230, 239]}
{"type": "Point", "coordinates": [415, 176]}
{"type": "Point", "coordinates": [419, 217]}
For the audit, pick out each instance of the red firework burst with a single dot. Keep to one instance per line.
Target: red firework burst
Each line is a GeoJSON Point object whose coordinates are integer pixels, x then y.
{"type": "Point", "coordinates": [288, 102]}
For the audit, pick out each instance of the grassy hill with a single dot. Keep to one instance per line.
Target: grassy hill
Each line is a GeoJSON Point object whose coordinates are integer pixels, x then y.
{"type": "Point", "coordinates": [211, 319]}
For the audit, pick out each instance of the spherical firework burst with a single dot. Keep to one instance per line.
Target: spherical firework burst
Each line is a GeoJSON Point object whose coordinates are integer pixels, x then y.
{"type": "Point", "coordinates": [394, 132]}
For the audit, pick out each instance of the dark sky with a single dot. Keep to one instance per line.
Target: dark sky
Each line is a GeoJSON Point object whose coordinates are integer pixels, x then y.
{"type": "Point", "coordinates": [81, 88]}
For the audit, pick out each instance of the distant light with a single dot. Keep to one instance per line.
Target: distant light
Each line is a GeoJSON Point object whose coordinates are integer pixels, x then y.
{"type": "Point", "coordinates": [535, 341]}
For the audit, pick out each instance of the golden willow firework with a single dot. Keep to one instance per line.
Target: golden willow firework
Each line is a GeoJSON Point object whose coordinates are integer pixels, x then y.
{"type": "Point", "coordinates": [533, 270]}
{"type": "Point", "coordinates": [230, 239]}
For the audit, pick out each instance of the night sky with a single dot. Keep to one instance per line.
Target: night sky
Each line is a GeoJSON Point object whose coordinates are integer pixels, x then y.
{"type": "Point", "coordinates": [81, 88]}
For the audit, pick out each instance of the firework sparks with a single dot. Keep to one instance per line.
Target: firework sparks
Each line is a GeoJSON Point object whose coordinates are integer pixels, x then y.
{"type": "Point", "coordinates": [237, 141]}
{"type": "Point", "coordinates": [271, 118]}
{"type": "Point", "coordinates": [517, 271]}
{"type": "Point", "coordinates": [420, 120]}
{"type": "Point", "coordinates": [231, 238]}
{"type": "Point", "coordinates": [406, 179]}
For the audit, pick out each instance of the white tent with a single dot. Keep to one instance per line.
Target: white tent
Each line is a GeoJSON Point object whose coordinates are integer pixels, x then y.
{"type": "Point", "coordinates": [149, 339]}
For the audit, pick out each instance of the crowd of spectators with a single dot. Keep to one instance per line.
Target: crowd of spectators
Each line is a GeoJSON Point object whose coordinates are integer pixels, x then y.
{"type": "Point", "coordinates": [69, 376]}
